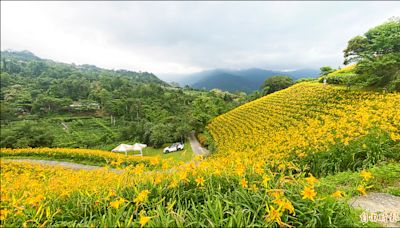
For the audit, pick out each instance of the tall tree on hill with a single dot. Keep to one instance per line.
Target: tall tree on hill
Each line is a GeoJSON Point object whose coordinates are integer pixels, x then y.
{"type": "Point", "coordinates": [377, 54]}
{"type": "Point", "coordinates": [325, 70]}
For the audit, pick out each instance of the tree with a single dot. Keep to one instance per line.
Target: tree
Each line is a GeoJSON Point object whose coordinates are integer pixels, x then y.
{"type": "Point", "coordinates": [202, 110]}
{"type": "Point", "coordinates": [19, 96]}
{"type": "Point", "coordinates": [29, 134]}
{"type": "Point", "coordinates": [48, 104]}
{"type": "Point", "coordinates": [276, 83]}
{"type": "Point", "coordinates": [355, 47]}
{"type": "Point", "coordinates": [254, 95]}
{"type": "Point", "coordinates": [304, 80]}
{"type": "Point", "coordinates": [377, 54]}
{"type": "Point", "coordinates": [7, 112]}
{"type": "Point", "coordinates": [101, 95]}
{"type": "Point", "coordinates": [160, 134]}
{"type": "Point", "coordinates": [182, 129]}
{"type": "Point", "coordinates": [5, 80]}
{"type": "Point", "coordinates": [325, 70]}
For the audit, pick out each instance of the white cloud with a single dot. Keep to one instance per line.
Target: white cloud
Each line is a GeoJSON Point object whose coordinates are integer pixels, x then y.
{"type": "Point", "coordinates": [183, 37]}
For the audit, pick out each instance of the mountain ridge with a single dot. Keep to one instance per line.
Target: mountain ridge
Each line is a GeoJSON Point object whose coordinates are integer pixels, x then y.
{"type": "Point", "coordinates": [247, 80]}
{"type": "Point", "coordinates": [27, 57]}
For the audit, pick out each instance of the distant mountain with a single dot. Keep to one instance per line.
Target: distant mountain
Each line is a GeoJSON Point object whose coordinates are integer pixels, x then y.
{"type": "Point", "coordinates": [246, 80]}
{"type": "Point", "coordinates": [303, 73]}
{"type": "Point", "coordinates": [224, 81]}
{"type": "Point", "coordinates": [256, 76]}
{"type": "Point", "coordinates": [22, 55]}
{"type": "Point", "coordinates": [191, 79]}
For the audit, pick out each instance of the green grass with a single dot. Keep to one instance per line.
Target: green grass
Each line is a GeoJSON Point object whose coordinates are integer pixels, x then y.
{"type": "Point", "coordinates": [184, 155]}
{"type": "Point", "coordinates": [385, 179]}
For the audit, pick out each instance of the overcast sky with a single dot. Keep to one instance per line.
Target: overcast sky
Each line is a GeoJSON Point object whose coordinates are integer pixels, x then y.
{"type": "Point", "coordinates": [185, 37]}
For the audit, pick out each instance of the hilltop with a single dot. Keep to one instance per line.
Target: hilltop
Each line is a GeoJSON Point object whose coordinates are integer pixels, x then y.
{"type": "Point", "coordinates": [27, 64]}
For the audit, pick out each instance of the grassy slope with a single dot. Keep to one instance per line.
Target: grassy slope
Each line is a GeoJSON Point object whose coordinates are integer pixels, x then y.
{"type": "Point", "coordinates": [385, 179]}
{"type": "Point", "coordinates": [185, 155]}
{"type": "Point", "coordinates": [344, 70]}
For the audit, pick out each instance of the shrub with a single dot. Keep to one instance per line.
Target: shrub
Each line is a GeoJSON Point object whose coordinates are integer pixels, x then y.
{"type": "Point", "coordinates": [206, 140]}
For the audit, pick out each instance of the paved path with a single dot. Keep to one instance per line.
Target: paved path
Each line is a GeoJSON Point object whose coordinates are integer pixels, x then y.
{"type": "Point", "coordinates": [378, 203]}
{"type": "Point", "coordinates": [196, 146]}
{"type": "Point", "coordinates": [57, 163]}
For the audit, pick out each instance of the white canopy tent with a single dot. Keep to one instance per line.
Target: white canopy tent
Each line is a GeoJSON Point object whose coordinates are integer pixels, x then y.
{"type": "Point", "coordinates": [124, 148]}
{"type": "Point", "coordinates": [139, 147]}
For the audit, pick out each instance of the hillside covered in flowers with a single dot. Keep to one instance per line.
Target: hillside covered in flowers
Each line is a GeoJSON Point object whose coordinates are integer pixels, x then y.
{"type": "Point", "coordinates": [280, 161]}
{"type": "Point", "coordinates": [308, 119]}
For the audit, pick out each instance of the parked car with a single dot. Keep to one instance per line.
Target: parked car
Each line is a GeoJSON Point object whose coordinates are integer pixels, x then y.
{"type": "Point", "coordinates": [174, 147]}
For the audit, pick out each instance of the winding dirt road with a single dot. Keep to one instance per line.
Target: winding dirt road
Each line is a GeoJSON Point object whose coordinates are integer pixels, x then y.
{"type": "Point", "coordinates": [196, 146]}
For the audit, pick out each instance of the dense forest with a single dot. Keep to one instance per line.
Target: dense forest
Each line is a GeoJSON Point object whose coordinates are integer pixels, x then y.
{"type": "Point", "coordinates": [46, 103]}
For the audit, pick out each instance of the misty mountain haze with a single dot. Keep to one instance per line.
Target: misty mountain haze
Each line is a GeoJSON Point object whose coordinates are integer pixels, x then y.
{"type": "Point", "coordinates": [246, 80]}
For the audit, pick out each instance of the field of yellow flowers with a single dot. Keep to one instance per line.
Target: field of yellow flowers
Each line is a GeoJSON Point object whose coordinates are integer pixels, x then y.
{"type": "Point", "coordinates": [84, 156]}
{"type": "Point", "coordinates": [305, 119]}
{"type": "Point", "coordinates": [272, 167]}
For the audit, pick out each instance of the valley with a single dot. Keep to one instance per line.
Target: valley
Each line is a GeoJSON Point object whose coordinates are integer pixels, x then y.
{"type": "Point", "coordinates": [233, 145]}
